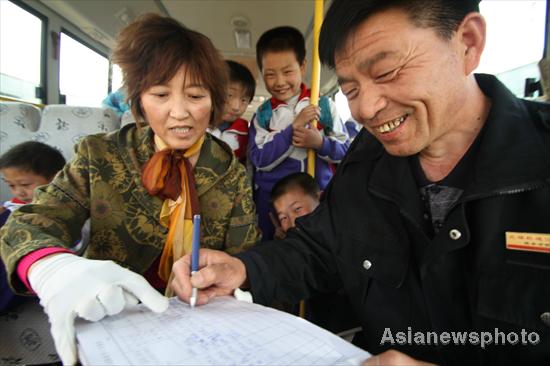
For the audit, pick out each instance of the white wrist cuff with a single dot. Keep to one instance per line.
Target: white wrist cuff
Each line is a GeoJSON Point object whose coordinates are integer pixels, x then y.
{"type": "Point", "coordinates": [44, 268]}
{"type": "Point", "coordinates": [241, 295]}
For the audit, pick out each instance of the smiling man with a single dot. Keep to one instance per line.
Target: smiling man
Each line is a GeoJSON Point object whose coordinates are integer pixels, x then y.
{"type": "Point", "coordinates": [437, 221]}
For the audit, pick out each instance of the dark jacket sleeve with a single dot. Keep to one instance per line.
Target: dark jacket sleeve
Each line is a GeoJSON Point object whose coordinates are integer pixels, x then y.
{"type": "Point", "coordinates": [297, 267]}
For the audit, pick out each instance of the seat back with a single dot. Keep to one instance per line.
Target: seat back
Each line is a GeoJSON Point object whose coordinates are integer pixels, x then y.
{"type": "Point", "coordinates": [63, 126]}
{"type": "Point", "coordinates": [18, 123]}
{"type": "Point", "coordinates": [25, 338]}
{"type": "Point", "coordinates": [127, 118]}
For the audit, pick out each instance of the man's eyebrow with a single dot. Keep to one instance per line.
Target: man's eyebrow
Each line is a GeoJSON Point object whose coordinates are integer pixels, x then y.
{"type": "Point", "coordinates": [367, 63]}
{"type": "Point", "coordinates": [341, 80]}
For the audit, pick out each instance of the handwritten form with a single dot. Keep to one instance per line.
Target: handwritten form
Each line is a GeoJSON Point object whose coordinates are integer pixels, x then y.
{"type": "Point", "coordinates": [223, 332]}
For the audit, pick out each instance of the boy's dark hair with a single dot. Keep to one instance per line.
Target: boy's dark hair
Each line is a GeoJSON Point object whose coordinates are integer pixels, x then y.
{"type": "Point", "coordinates": [295, 180]}
{"type": "Point", "coordinates": [39, 158]}
{"type": "Point", "coordinates": [344, 16]}
{"type": "Point", "coordinates": [240, 74]}
{"type": "Point", "coordinates": [281, 39]}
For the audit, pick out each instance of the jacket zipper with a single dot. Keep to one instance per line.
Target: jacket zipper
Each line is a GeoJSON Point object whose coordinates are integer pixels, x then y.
{"type": "Point", "coordinates": [515, 190]}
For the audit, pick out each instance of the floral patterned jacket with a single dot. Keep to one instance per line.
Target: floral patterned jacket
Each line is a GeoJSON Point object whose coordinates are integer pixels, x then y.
{"type": "Point", "coordinates": [103, 183]}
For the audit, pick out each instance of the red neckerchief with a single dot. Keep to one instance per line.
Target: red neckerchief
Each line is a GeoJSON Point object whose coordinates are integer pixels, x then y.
{"type": "Point", "coordinates": [304, 92]}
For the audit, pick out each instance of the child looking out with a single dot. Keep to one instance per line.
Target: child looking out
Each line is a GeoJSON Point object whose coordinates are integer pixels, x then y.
{"type": "Point", "coordinates": [293, 196]}
{"type": "Point", "coordinates": [232, 128]}
{"type": "Point", "coordinates": [25, 167]}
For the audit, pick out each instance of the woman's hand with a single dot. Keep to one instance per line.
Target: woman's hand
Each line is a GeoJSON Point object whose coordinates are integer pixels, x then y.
{"type": "Point", "coordinates": [69, 286]}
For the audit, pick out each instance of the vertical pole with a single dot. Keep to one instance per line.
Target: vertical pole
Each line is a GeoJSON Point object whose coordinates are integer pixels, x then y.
{"type": "Point", "coordinates": [315, 76]}
{"type": "Point", "coordinates": [315, 86]}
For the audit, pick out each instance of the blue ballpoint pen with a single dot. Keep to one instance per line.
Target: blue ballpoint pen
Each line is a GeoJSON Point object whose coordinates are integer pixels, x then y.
{"type": "Point", "coordinates": [195, 255]}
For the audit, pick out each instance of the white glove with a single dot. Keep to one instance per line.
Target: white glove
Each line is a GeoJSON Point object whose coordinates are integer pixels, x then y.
{"type": "Point", "coordinates": [70, 286]}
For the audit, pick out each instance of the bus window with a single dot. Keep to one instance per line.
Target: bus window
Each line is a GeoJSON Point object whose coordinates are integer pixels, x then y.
{"type": "Point", "coordinates": [116, 78]}
{"type": "Point", "coordinates": [342, 105]}
{"type": "Point", "coordinates": [515, 41]}
{"type": "Point", "coordinates": [20, 53]}
{"type": "Point", "coordinates": [83, 73]}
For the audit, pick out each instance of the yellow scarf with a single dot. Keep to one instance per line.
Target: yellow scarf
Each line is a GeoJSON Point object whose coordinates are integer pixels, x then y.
{"type": "Point", "coordinates": [169, 175]}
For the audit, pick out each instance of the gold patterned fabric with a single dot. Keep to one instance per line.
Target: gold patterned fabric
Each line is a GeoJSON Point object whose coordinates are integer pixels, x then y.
{"type": "Point", "coordinates": [103, 183]}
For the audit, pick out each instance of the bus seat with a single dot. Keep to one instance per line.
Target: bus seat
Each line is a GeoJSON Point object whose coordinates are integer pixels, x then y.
{"type": "Point", "coordinates": [18, 123]}
{"type": "Point", "coordinates": [25, 338]}
{"type": "Point", "coordinates": [126, 119]}
{"type": "Point", "coordinates": [63, 126]}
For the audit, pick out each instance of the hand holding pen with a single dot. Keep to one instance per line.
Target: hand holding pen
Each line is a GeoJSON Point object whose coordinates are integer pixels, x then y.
{"type": "Point", "coordinates": [217, 274]}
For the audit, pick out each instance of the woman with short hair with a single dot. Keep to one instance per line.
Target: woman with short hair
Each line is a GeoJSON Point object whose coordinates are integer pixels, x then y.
{"type": "Point", "coordinates": [140, 186]}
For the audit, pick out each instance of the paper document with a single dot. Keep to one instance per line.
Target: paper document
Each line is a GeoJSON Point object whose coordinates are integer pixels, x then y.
{"type": "Point", "coordinates": [223, 332]}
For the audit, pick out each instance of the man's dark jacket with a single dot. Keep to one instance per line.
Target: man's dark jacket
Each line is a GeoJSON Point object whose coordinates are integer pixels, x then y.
{"type": "Point", "coordinates": [366, 236]}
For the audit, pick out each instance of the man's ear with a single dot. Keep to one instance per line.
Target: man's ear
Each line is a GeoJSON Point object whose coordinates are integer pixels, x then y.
{"type": "Point", "coordinates": [471, 36]}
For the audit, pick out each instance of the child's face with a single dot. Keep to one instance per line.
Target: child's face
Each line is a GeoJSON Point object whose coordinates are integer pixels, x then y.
{"type": "Point", "coordinates": [236, 103]}
{"type": "Point", "coordinates": [22, 182]}
{"type": "Point", "coordinates": [282, 74]}
{"type": "Point", "coordinates": [293, 204]}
